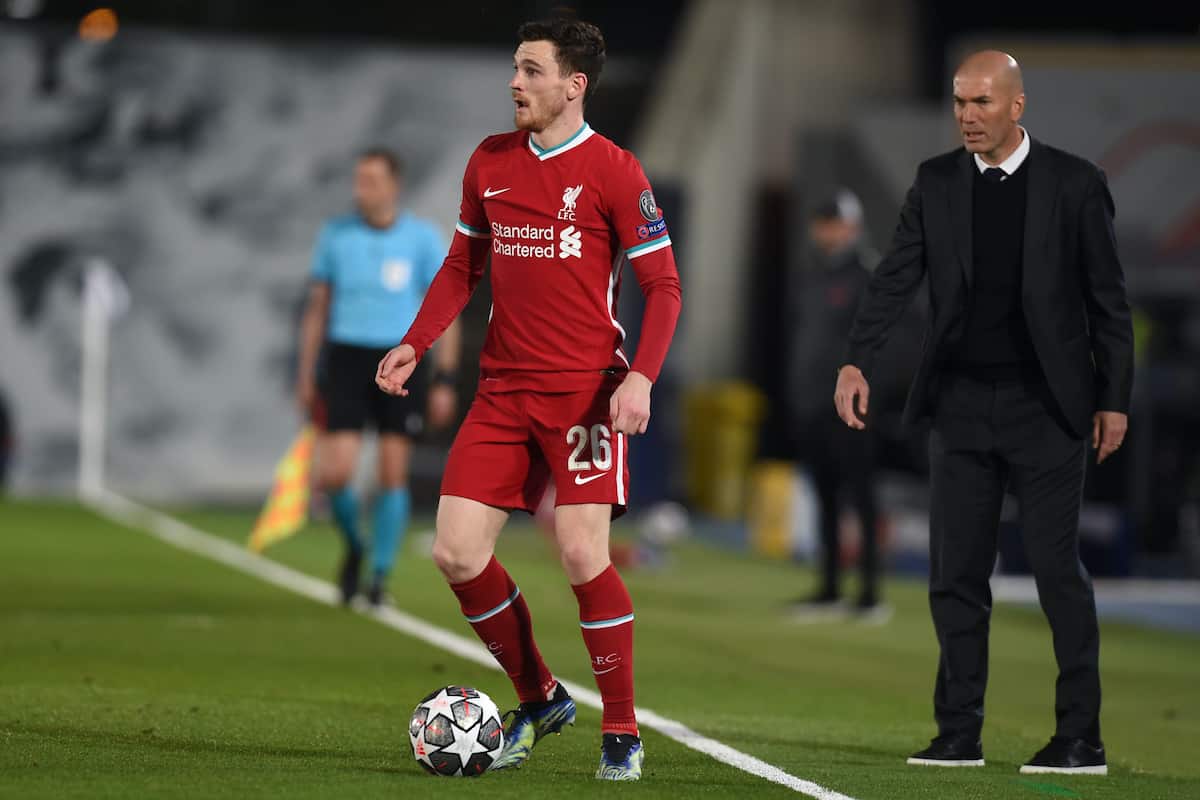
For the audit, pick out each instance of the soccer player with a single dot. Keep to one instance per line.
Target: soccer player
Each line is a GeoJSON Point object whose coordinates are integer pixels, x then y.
{"type": "Point", "coordinates": [559, 208]}
{"type": "Point", "coordinates": [370, 271]}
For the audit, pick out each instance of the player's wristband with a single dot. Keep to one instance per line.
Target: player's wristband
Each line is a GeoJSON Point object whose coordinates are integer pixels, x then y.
{"type": "Point", "coordinates": [444, 378]}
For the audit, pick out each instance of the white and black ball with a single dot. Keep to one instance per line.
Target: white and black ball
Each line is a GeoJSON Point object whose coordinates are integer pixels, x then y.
{"type": "Point", "coordinates": [456, 732]}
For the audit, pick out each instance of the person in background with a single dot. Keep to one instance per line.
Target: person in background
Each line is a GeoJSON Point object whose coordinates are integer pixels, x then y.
{"type": "Point", "coordinates": [370, 272]}
{"type": "Point", "coordinates": [841, 463]}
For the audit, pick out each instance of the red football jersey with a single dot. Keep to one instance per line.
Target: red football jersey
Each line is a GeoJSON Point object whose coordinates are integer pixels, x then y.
{"type": "Point", "coordinates": [558, 225]}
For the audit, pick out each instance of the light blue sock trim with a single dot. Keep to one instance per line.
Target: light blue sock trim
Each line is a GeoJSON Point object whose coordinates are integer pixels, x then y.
{"type": "Point", "coordinates": [606, 623]}
{"type": "Point", "coordinates": [497, 609]}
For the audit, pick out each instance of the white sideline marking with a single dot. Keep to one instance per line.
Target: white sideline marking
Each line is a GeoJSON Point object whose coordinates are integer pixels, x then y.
{"type": "Point", "coordinates": [185, 537]}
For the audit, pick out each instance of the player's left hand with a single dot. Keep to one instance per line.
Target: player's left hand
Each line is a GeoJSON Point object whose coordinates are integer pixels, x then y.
{"type": "Point", "coordinates": [629, 406]}
{"type": "Point", "coordinates": [443, 402]}
{"type": "Point", "coordinates": [1108, 432]}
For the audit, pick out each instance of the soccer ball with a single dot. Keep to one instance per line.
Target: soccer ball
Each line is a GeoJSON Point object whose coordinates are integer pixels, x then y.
{"type": "Point", "coordinates": [456, 731]}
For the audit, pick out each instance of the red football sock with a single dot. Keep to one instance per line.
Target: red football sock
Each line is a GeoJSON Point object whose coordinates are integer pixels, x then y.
{"type": "Point", "coordinates": [606, 616]}
{"type": "Point", "coordinates": [496, 610]}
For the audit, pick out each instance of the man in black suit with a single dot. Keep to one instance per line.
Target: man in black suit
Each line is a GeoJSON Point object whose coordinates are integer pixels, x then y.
{"type": "Point", "coordinates": [1029, 351]}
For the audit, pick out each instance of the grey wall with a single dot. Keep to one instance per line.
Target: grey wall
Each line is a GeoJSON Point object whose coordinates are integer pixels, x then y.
{"type": "Point", "coordinates": [200, 168]}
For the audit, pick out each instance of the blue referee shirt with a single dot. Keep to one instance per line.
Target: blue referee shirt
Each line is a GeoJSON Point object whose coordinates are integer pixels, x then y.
{"type": "Point", "coordinates": [377, 277]}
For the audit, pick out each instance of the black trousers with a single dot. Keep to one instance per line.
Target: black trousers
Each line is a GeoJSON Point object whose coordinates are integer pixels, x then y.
{"type": "Point", "coordinates": [989, 437]}
{"type": "Point", "coordinates": [842, 464]}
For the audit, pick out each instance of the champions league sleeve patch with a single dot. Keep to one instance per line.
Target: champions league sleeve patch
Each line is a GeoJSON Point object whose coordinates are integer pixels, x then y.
{"type": "Point", "coordinates": [647, 206]}
{"type": "Point", "coordinates": [652, 229]}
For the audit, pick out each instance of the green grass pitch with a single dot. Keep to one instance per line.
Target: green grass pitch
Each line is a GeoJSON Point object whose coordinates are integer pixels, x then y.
{"type": "Point", "coordinates": [131, 669]}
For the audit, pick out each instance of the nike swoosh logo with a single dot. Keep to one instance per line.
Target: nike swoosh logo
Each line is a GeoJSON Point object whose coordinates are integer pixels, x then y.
{"type": "Point", "coordinates": [605, 671]}
{"type": "Point", "coordinates": [580, 480]}
{"type": "Point", "coordinates": [488, 192]}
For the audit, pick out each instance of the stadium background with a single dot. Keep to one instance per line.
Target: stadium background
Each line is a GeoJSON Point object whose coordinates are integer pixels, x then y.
{"type": "Point", "coordinates": [197, 149]}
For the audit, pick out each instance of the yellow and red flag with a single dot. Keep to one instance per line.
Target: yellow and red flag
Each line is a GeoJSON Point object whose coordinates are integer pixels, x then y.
{"type": "Point", "coordinates": [286, 509]}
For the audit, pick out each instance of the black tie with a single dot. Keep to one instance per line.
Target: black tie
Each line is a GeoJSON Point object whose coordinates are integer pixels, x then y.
{"type": "Point", "coordinates": [995, 174]}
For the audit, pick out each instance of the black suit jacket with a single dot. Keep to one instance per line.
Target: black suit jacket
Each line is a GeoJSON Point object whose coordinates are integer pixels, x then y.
{"type": "Point", "coordinates": [1073, 289]}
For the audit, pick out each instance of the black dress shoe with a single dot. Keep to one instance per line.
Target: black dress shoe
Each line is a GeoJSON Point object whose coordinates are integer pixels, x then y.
{"type": "Point", "coordinates": [1069, 756]}
{"type": "Point", "coordinates": [950, 751]}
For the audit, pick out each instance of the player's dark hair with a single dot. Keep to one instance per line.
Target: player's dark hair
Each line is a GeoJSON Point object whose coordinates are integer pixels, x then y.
{"type": "Point", "coordinates": [579, 46]}
{"type": "Point", "coordinates": [394, 164]}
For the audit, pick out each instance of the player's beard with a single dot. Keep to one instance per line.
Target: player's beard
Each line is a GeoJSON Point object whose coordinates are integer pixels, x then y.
{"type": "Point", "coordinates": [540, 115]}
{"type": "Point", "coordinates": [523, 124]}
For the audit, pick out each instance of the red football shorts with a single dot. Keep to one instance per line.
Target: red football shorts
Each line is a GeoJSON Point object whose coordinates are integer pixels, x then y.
{"type": "Point", "coordinates": [512, 443]}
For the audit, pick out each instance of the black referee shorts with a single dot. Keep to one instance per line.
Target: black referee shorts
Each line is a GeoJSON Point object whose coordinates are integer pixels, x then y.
{"type": "Point", "coordinates": [352, 400]}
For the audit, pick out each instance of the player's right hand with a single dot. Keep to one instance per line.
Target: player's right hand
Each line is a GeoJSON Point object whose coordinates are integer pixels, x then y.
{"type": "Point", "coordinates": [395, 369]}
{"type": "Point", "coordinates": [851, 386]}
